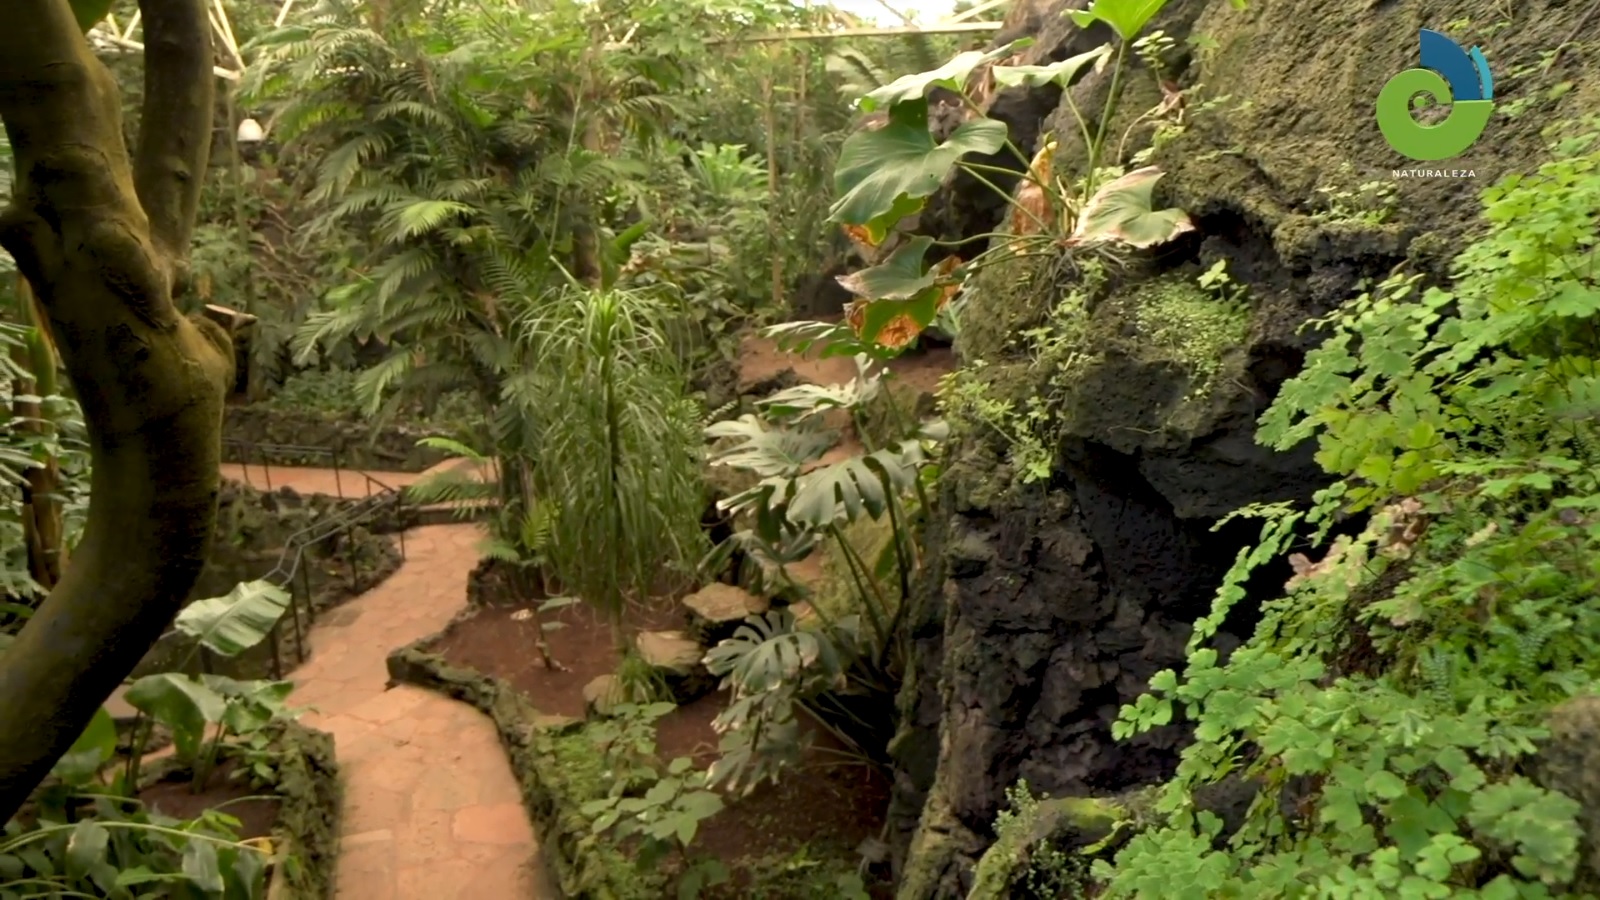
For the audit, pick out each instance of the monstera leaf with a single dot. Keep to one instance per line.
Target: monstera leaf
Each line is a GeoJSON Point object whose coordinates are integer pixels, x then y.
{"type": "Point", "coordinates": [952, 76]}
{"type": "Point", "coordinates": [886, 174]}
{"type": "Point", "coordinates": [1120, 212]}
{"type": "Point", "coordinates": [1062, 73]}
{"type": "Point", "coordinates": [901, 296]}
{"type": "Point", "coordinates": [829, 339]}
{"type": "Point", "coordinates": [768, 452]}
{"type": "Point", "coordinates": [1125, 17]}
{"type": "Point", "coordinates": [862, 484]}
{"type": "Point", "coordinates": [90, 12]}
{"type": "Point", "coordinates": [769, 651]}
{"type": "Point", "coordinates": [806, 400]}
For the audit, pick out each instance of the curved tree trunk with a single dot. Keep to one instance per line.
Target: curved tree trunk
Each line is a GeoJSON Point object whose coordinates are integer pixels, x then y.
{"type": "Point", "coordinates": [102, 239]}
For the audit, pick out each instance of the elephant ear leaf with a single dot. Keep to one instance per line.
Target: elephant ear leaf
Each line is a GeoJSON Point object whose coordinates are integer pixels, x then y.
{"type": "Point", "coordinates": [887, 173]}
{"type": "Point", "coordinates": [90, 12]}
{"type": "Point", "coordinates": [1122, 212]}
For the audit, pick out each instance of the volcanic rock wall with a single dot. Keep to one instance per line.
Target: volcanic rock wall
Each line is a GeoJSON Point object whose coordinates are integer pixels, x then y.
{"type": "Point", "coordinates": [1052, 601]}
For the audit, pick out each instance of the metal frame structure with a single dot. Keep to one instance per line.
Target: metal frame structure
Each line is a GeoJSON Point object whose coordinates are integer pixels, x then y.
{"type": "Point", "coordinates": [111, 34]}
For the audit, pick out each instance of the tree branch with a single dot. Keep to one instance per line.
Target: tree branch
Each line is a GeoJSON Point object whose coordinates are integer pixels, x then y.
{"type": "Point", "coordinates": [169, 164]}
{"type": "Point", "coordinates": [150, 382]}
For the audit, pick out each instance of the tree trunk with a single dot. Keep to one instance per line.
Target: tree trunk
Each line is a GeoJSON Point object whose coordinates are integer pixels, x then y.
{"type": "Point", "coordinates": [102, 238]}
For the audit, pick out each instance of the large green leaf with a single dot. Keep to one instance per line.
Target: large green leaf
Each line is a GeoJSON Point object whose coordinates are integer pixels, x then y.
{"type": "Point", "coordinates": [250, 704]}
{"type": "Point", "coordinates": [768, 452]}
{"type": "Point", "coordinates": [1120, 212]}
{"type": "Point", "coordinates": [902, 276]}
{"type": "Point", "coordinates": [233, 624]}
{"type": "Point", "coordinates": [806, 400]}
{"type": "Point", "coordinates": [886, 174]}
{"type": "Point", "coordinates": [90, 12]}
{"type": "Point", "coordinates": [952, 76]}
{"type": "Point", "coordinates": [1125, 17]}
{"type": "Point", "coordinates": [181, 703]}
{"type": "Point", "coordinates": [89, 752]}
{"type": "Point", "coordinates": [902, 287]}
{"type": "Point", "coordinates": [1062, 73]}
{"type": "Point", "coordinates": [846, 490]}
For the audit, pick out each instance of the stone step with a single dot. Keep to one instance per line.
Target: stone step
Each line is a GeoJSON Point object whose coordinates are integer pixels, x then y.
{"type": "Point", "coordinates": [716, 611]}
{"type": "Point", "coordinates": [677, 657]}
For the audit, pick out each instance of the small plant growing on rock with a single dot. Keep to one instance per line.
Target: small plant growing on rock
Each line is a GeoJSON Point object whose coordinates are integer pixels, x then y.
{"type": "Point", "coordinates": [886, 173]}
{"type": "Point", "coordinates": [661, 806]}
{"type": "Point", "coordinates": [1022, 863]}
{"type": "Point", "coordinates": [1412, 706]}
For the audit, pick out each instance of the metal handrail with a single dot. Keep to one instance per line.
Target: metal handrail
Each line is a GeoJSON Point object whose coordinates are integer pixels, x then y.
{"type": "Point", "coordinates": [378, 498]}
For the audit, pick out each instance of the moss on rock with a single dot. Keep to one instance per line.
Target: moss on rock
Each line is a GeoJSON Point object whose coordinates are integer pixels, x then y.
{"type": "Point", "coordinates": [308, 820]}
{"type": "Point", "coordinates": [259, 434]}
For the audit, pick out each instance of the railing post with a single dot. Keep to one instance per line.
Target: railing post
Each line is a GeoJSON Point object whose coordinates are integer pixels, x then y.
{"type": "Point", "coordinates": [305, 584]}
{"type": "Point", "coordinates": [338, 484]}
{"type": "Point", "coordinates": [277, 658]}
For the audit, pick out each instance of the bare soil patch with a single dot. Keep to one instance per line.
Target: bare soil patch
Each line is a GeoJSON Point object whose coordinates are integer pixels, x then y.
{"type": "Point", "coordinates": [177, 798]}
{"type": "Point", "coordinates": [830, 804]}
{"type": "Point", "coordinates": [503, 641]}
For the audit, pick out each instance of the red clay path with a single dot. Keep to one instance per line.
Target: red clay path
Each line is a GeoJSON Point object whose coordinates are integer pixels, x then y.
{"type": "Point", "coordinates": [432, 811]}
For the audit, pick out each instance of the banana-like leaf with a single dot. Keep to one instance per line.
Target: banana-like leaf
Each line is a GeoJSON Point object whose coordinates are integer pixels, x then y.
{"type": "Point", "coordinates": [183, 704]}
{"type": "Point", "coordinates": [233, 624]}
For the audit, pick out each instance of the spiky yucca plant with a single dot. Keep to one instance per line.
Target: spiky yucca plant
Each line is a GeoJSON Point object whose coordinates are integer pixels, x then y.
{"type": "Point", "coordinates": [618, 446]}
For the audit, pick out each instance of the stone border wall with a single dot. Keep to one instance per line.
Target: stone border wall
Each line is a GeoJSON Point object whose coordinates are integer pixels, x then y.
{"type": "Point", "coordinates": [309, 820]}
{"type": "Point", "coordinates": [585, 867]}
{"type": "Point", "coordinates": [252, 529]}
{"type": "Point", "coordinates": [390, 449]}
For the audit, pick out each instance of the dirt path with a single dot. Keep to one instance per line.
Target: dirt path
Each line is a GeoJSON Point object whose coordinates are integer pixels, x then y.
{"type": "Point", "coordinates": [431, 811]}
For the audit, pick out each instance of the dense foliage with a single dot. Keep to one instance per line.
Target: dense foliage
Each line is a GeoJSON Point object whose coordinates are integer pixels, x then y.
{"type": "Point", "coordinates": [1391, 704]}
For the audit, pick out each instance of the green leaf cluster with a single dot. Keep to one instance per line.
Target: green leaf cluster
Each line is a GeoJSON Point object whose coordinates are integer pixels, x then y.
{"type": "Point", "coordinates": [1391, 703]}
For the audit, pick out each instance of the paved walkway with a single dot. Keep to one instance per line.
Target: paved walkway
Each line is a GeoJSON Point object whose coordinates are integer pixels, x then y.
{"type": "Point", "coordinates": [432, 811]}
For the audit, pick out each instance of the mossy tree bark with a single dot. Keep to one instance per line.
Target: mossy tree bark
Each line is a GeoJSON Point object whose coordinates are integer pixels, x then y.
{"type": "Point", "coordinates": [102, 238]}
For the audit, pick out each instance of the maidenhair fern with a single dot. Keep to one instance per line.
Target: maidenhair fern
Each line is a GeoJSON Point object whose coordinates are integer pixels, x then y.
{"type": "Point", "coordinates": [1389, 704]}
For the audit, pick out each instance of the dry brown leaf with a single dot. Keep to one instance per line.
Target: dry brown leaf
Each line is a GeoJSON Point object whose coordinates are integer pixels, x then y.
{"type": "Point", "coordinates": [1171, 99]}
{"type": "Point", "coordinates": [860, 234]}
{"type": "Point", "coordinates": [1404, 524]}
{"type": "Point", "coordinates": [1032, 212]}
{"type": "Point", "coordinates": [855, 312]}
{"type": "Point", "coordinates": [1305, 570]}
{"type": "Point", "coordinates": [898, 332]}
{"type": "Point", "coordinates": [945, 269]}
